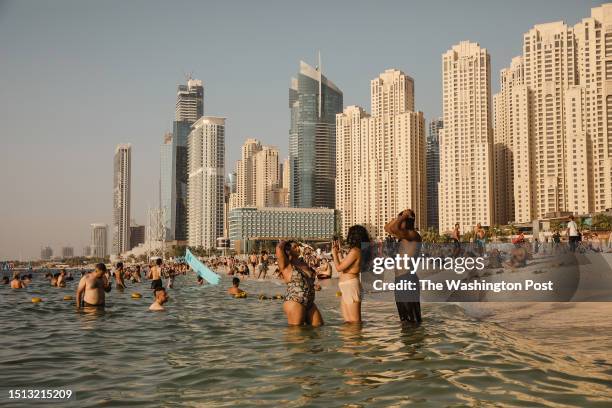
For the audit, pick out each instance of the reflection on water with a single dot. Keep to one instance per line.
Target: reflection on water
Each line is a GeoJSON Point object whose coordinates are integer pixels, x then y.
{"type": "Point", "coordinates": [212, 350]}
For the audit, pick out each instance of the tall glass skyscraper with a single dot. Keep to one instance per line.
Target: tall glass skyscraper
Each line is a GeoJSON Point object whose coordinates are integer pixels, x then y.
{"type": "Point", "coordinates": [433, 171]}
{"type": "Point", "coordinates": [314, 102]}
{"type": "Point", "coordinates": [173, 180]}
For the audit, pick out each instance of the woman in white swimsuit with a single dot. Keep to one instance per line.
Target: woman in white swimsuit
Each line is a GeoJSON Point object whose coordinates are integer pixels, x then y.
{"type": "Point", "coordinates": [349, 267]}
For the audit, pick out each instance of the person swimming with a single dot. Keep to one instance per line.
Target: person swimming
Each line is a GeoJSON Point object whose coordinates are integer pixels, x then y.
{"type": "Point", "coordinates": [235, 290]}
{"type": "Point", "coordinates": [299, 303]}
{"type": "Point", "coordinates": [161, 297]}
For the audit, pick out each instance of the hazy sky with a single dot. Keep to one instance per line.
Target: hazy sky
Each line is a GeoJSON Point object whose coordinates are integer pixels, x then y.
{"type": "Point", "coordinates": [79, 77]}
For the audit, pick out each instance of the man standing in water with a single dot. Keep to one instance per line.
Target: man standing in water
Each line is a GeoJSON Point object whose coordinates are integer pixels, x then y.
{"type": "Point", "coordinates": [155, 275]}
{"type": "Point", "coordinates": [161, 297]}
{"type": "Point", "coordinates": [16, 282]}
{"type": "Point", "coordinates": [92, 288]}
{"type": "Point", "coordinates": [403, 228]}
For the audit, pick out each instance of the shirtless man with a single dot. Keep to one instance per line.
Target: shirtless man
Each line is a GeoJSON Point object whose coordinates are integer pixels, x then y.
{"type": "Point", "coordinates": [263, 265]}
{"type": "Point", "coordinates": [119, 276]}
{"type": "Point", "coordinates": [161, 297]}
{"type": "Point", "coordinates": [235, 290]}
{"type": "Point", "coordinates": [155, 275]}
{"type": "Point", "coordinates": [253, 262]}
{"type": "Point", "coordinates": [16, 282]}
{"type": "Point", "coordinates": [403, 228]}
{"type": "Point", "coordinates": [92, 287]}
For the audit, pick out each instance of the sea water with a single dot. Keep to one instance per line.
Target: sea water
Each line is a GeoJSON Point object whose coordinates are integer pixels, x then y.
{"type": "Point", "coordinates": [210, 350]}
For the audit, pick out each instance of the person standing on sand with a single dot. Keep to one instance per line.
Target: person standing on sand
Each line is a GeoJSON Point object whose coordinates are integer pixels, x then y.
{"type": "Point", "coordinates": [299, 303]}
{"type": "Point", "coordinates": [350, 267]}
{"type": "Point", "coordinates": [161, 297]}
{"type": "Point", "coordinates": [572, 233]}
{"type": "Point", "coordinates": [92, 288]}
{"type": "Point", "coordinates": [407, 302]}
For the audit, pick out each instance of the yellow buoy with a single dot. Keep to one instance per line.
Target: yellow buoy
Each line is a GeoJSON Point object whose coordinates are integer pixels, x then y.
{"type": "Point", "coordinates": [136, 295]}
{"type": "Point", "coordinates": [67, 297]}
{"type": "Point", "coordinates": [338, 293]}
{"type": "Point", "coordinates": [278, 296]}
{"type": "Point", "coordinates": [36, 300]}
{"type": "Point", "coordinates": [240, 295]}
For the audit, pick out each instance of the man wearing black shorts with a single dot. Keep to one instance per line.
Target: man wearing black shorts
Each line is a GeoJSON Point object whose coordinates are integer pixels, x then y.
{"type": "Point", "coordinates": [156, 280]}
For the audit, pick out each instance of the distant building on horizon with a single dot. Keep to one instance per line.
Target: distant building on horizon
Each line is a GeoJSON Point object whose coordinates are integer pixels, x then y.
{"type": "Point", "coordinates": [189, 108]}
{"type": "Point", "coordinates": [67, 252]}
{"type": "Point", "coordinates": [433, 171]}
{"type": "Point", "coordinates": [98, 247]}
{"type": "Point", "coordinates": [314, 102]}
{"type": "Point", "coordinates": [137, 235]}
{"type": "Point", "coordinates": [46, 253]}
{"type": "Point", "coordinates": [206, 182]}
{"type": "Point", "coordinates": [121, 198]}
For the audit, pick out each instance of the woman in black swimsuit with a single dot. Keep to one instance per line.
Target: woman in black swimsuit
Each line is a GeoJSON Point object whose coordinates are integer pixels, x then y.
{"type": "Point", "coordinates": [299, 303]}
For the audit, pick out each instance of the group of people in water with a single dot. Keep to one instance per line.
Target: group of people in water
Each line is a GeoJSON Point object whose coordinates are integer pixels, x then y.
{"type": "Point", "coordinates": [298, 265]}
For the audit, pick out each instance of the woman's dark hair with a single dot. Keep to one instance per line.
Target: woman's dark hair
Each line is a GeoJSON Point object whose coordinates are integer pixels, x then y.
{"type": "Point", "coordinates": [358, 237]}
{"type": "Point", "coordinates": [287, 246]}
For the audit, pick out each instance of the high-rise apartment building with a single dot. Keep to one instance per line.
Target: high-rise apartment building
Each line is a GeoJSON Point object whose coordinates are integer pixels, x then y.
{"type": "Point", "coordinates": [46, 253]}
{"type": "Point", "coordinates": [245, 173]}
{"type": "Point", "coordinates": [121, 198]}
{"type": "Point", "coordinates": [432, 160]}
{"type": "Point", "coordinates": [553, 146]}
{"type": "Point", "coordinates": [206, 180]}
{"type": "Point", "coordinates": [466, 141]}
{"type": "Point", "coordinates": [99, 241]}
{"type": "Point", "coordinates": [266, 176]}
{"type": "Point", "coordinates": [380, 162]}
{"type": "Point", "coordinates": [189, 108]}
{"type": "Point", "coordinates": [314, 102]}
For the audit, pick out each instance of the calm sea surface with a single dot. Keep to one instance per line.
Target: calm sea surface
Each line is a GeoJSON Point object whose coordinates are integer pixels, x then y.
{"type": "Point", "coordinates": [212, 350]}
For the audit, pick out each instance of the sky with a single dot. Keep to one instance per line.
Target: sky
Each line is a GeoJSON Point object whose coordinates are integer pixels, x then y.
{"type": "Point", "coordinates": [79, 77]}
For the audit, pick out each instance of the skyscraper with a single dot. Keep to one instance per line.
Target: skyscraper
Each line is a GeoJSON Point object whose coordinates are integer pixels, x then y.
{"type": "Point", "coordinates": [206, 174]}
{"type": "Point", "coordinates": [381, 158]}
{"type": "Point", "coordinates": [190, 101]}
{"type": "Point", "coordinates": [167, 184]}
{"type": "Point", "coordinates": [552, 138]}
{"type": "Point", "coordinates": [433, 171]}
{"type": "Point", "coordinates": [189, 108]}
{"type": "Point", "coordinates": [466, 143]}
{"type": "Point", "coordinates": [266, 176]}
{"type": "Point", "coordinates": [245, 173]}
{"type": "Point", "coordinates": [314, 102]}
{"type": "Point", "coordinates": [99, 241]}
{"type": "Point", "coordinates": [121, 198]}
